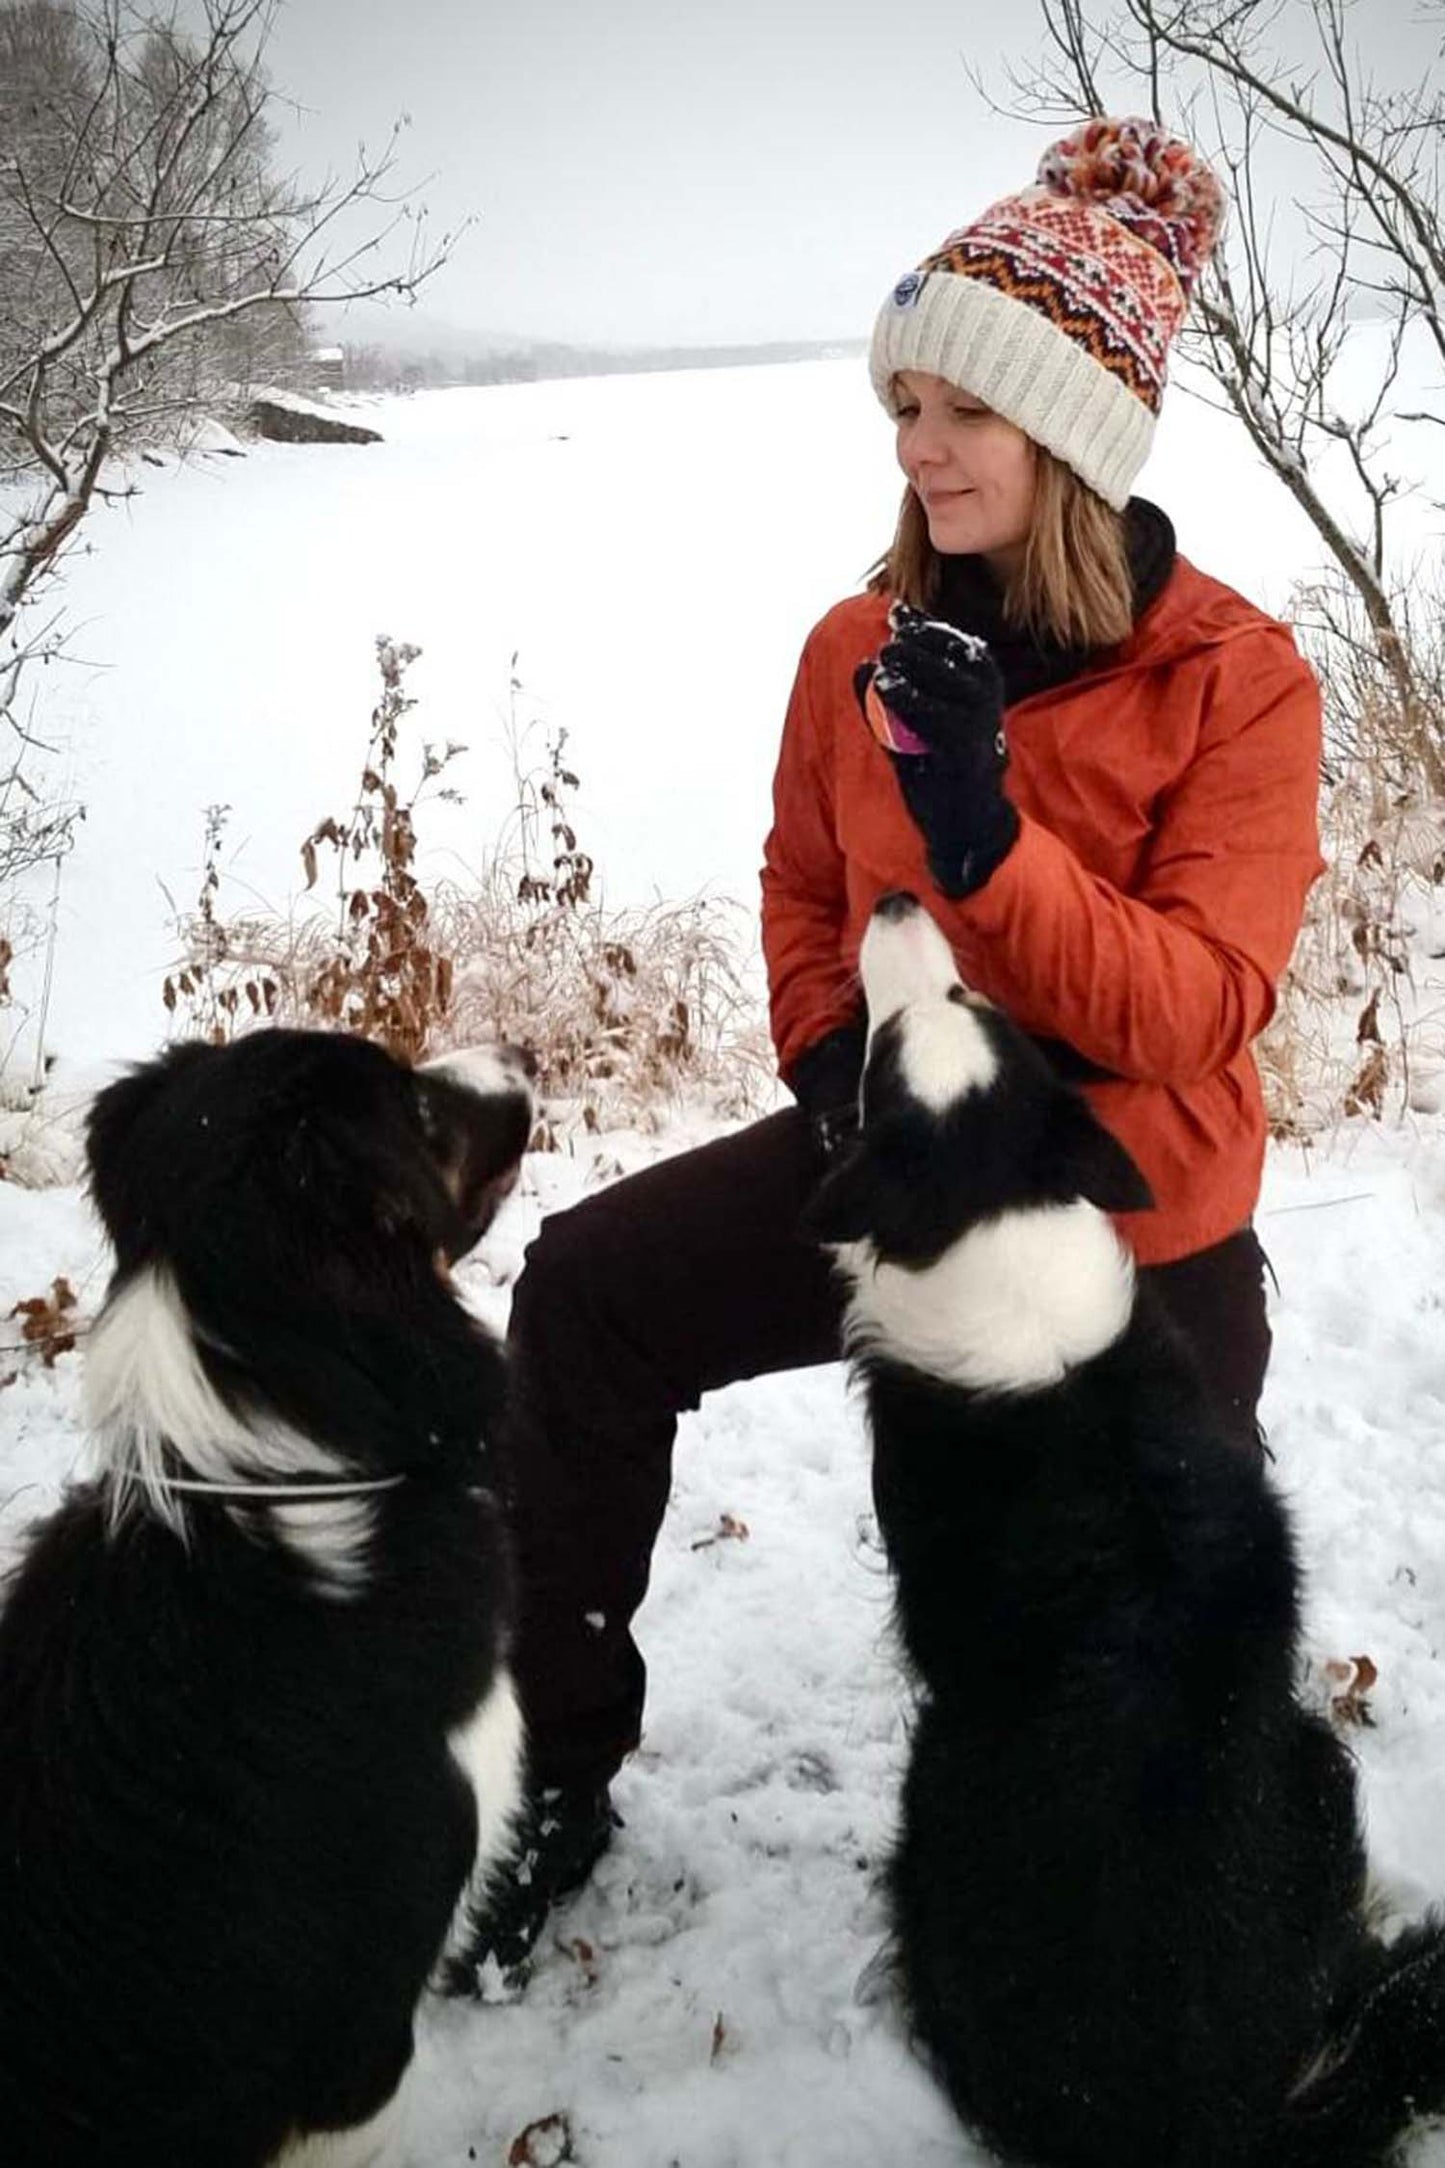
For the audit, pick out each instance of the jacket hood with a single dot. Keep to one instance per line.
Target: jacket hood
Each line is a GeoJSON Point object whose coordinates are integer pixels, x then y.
{"type": "Point", "coordinates": [1191, 615]}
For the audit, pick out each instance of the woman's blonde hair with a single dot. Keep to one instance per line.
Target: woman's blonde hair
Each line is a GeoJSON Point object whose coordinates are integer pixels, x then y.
{"type": "Point", "coordinates": [1072, 584]}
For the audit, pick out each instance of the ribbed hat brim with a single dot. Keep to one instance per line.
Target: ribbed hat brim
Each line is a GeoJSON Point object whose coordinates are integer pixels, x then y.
{"type": "Point", "coordinates": [1012, 358]}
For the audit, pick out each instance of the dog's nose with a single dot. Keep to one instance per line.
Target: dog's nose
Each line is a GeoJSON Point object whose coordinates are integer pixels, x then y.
{"type": "Point", "coordinates": [898, 903]}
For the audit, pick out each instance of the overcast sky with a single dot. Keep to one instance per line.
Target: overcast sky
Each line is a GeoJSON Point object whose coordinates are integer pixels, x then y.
{"type": "Point", "coordinates": [677, 171]}
{"type": "Point", "coordinates": [666, 170]}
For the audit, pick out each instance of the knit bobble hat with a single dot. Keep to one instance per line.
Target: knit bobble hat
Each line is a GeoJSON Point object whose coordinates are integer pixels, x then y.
{"type": "Point", "coordinates": [1056, 308]}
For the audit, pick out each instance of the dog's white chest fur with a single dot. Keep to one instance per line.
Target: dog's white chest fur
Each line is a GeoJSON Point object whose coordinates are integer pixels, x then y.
{"type": "Point", "coordinates": [488, 1749]}
{"type": "Point", "coordinates": [1012, 1306]}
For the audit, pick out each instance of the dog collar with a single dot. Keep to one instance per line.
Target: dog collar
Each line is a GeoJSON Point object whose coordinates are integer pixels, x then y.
{"type": "Point", "coordinates": [292, 1493]}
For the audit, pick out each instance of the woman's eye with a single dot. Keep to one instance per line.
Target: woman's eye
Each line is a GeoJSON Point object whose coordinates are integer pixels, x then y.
{"type": "Point", "coordinates": [905, 414]}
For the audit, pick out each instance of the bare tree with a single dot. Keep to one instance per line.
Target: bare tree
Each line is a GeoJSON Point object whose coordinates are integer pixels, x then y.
{"type": "Point", "coordinates": [1272, 322]}
{"type": "Point", "coordinates": [141, 220]}
{"type": "Point", "coordinates": [144, 237]}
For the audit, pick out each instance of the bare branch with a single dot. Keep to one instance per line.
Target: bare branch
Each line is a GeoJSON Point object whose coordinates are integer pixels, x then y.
{"type": "Point", "coordinates": [159, 226]}
{"type": "Point", "coordinates": [1271, 331]}
{"type": "Point", "coordinates": [142, 228]}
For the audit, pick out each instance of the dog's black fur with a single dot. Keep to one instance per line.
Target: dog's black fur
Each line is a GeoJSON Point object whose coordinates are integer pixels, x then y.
{"type": "Point", "coordinates": [1127, 1889]}
{"type": "Point", "coordinates": [232, 1829]}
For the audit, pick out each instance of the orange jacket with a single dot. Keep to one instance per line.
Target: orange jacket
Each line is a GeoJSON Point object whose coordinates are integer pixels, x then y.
{"type": "Point", "coordinates": [1169, 838]}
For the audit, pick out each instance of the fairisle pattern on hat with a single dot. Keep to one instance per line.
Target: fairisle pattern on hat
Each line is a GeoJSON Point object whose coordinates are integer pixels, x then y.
{"type": "Point", "coordinates": [1058, 306]}
{"type": "Point", "coordinates": [1093, 281]}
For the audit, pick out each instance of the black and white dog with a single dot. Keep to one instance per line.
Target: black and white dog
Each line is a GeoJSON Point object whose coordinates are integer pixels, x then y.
{"type": "Point", "coordinates": [258, 1741]}
{"type": "Point", "coordinates": [1126, 1894]}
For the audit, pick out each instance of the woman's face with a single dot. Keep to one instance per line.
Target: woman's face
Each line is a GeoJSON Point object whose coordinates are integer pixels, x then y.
{"type": "Point", "coordinates": [972, 472]}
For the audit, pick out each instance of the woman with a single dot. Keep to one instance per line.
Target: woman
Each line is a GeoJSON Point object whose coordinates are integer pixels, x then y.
{"type": "Point", "coordinates": [1111, 815]}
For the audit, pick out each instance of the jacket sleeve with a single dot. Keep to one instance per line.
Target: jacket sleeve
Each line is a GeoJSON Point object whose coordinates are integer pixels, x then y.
{"type": "Point", "coordinates": [1169, 983]}
{"type": "Point", "coordinates": [812, 990]}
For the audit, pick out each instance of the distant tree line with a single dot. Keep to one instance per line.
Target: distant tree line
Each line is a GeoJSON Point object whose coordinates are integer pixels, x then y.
{"type": "Point", "coordinates": [380, 366]}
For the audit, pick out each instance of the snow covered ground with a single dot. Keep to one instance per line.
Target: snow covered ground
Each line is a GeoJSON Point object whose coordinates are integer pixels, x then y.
{"type": "Point", "coordinates": [656, 548]}
{"type": "Point", "coordinates": [697, 2004]}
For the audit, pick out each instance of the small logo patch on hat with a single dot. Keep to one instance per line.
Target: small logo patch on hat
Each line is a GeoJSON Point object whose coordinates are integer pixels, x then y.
{"type": "Point", "coordinates": [909, 287]}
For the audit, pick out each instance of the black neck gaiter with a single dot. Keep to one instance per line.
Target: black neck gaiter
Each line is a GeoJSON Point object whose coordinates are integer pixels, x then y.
{"type": "Point", "coordinates": [970, 597]}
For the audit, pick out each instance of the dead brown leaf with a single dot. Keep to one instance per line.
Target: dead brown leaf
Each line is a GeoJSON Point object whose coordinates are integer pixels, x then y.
{"type": "Point", "coordinates": [729, 1530]}
{"type": "Point", "coordinates": [47, 1324]}
{"type": "Point", "coordinates": [1351, 1678]}
{"type": "Point", "coordinates": [547, 2143]}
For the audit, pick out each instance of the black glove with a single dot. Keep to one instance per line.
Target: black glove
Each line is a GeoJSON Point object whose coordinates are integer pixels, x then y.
{"type": "Point", "coordinates": [934, 699]}
{"type": "Point", "coordinates": [825, 1079]}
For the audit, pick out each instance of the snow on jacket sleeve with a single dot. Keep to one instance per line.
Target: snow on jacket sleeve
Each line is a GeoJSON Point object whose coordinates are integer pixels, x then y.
{"type": "Point", "coordinates": [811, 988]}
{"type": "Point", "coordinates": [1169, 983]}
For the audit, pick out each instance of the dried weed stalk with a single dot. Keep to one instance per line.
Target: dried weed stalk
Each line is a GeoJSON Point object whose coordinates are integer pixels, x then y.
{"type": "Point", "coordinates": [622, 1010]}
{"type": "Point", "coordinates": [1360, 1029]}
{"type": "Point", "coordinates": [385, 978]}
{"type": "Point", "coordinates": [212, 992]}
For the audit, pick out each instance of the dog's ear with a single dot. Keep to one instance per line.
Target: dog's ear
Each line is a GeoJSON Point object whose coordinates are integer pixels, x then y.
{"type": "Point", "coordinates": [1089, 1162]}
{"type": "Point", "coordinates": [477, 1138]}
{"type": "Point", "coordinates": [842, 1207]}
{"type": "Point", "coordinates": [877, 1192]}
{"type": "Point", "coordinates": [118, 1163]}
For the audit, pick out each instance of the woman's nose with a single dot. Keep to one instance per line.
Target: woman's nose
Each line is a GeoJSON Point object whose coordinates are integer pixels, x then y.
{"type": "Point", "coordinates": [925, 442]}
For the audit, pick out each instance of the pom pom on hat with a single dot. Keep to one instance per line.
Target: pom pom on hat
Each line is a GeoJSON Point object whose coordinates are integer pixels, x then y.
{"type": "Point", "coordinates": [1149, 180]}
{"type": "Point", "coordinates": [1057, 307]}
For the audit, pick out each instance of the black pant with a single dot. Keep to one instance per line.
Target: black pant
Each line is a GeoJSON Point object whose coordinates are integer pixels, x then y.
{"type": "Point", "coordinates": [635, 1303]}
